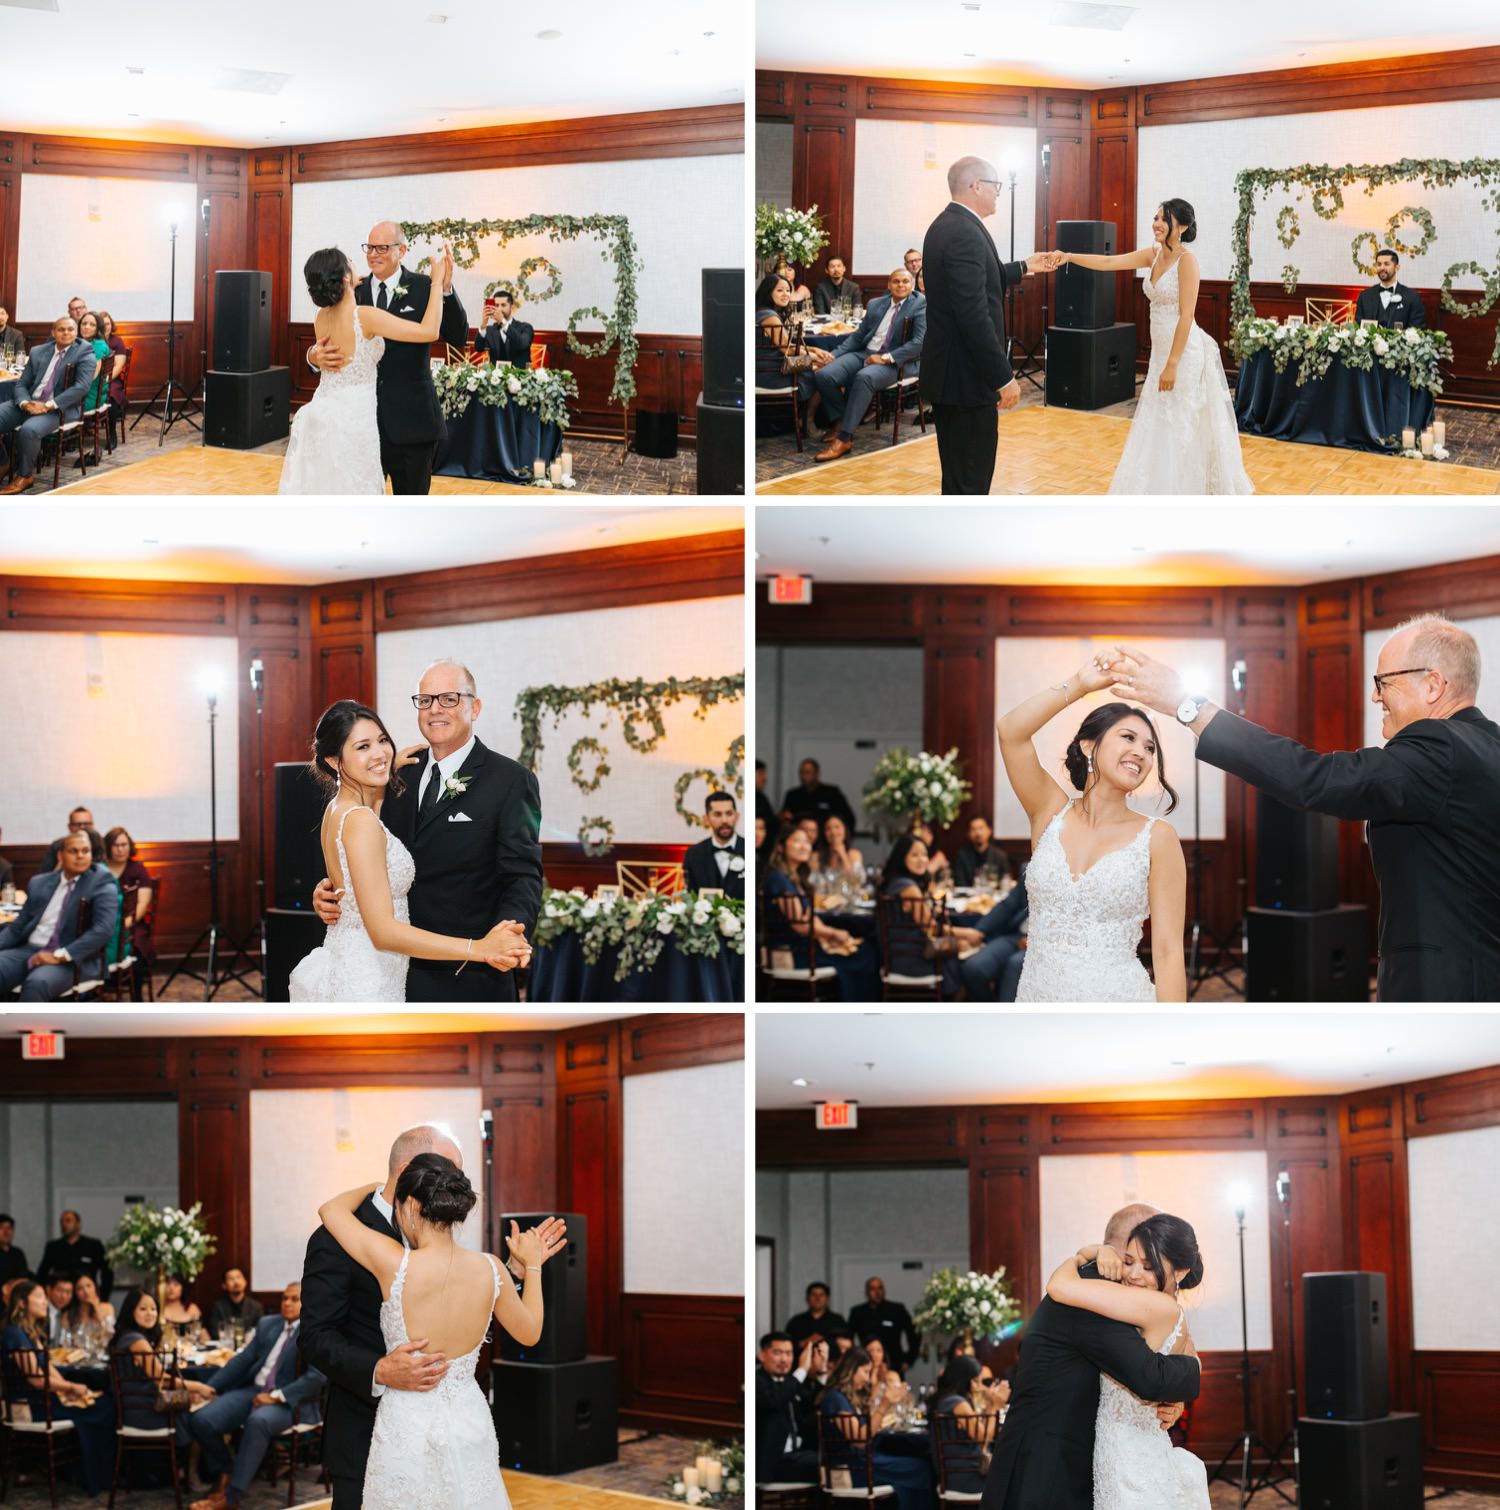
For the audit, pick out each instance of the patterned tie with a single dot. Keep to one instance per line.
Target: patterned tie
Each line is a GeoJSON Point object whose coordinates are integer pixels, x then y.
{"type": "Point", "coordinates": [50, 382]}
{"type": "Point", "coordinates": [56, 938]}
{"type": "Point", "coordinates": [383, 301]}
{"type": "Point", "coordinates": [430, 795]}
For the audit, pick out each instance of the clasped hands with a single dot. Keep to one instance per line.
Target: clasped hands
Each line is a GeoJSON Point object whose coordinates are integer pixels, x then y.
{"type": "Point", "coordinates": [1045, 262]}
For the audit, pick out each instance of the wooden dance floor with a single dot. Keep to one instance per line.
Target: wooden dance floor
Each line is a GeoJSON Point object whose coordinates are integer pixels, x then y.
{"type": "Point", "coordinates": [1052, 451]}
{"type": "Point", "coordinates": [207, 471]}
{"type": "Point", "coordinates": [527, 1491]}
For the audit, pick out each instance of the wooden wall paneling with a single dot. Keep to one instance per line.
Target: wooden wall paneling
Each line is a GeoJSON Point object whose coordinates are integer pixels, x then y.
{"type": "Point", "coordinates": [91, 157]}
{"type": "Point", "coordinates": [223, 183]}
{"type": "Point", "coordinates": [681, 1360]}
{"type": "Point", "coordinates": [1114, 170]}
{"type": "Point", "coordinates": [1218, 1413]}
{"type": "Point", "coordinates": [1110, 1127]}
{"type": "Point", "coordinates": [447, 1059]}
{"type": "Point", "coordinates": [589, 1053]}
{"type": "Point", "coordinates": [220, 1064]}
{"type": "Point", "coordinates": [564, 865]}
{"type": "Point", "coordinates": [343, 643]}
{"type": "Point", "coordinates": [1459, 589]}
{"type": "Point", "coordinates": [1458, 1395]}
{"type": "Point", "coordinates": [894, 1136]}
{"type": "Point", "coordinates": [680, 1040]}
{"type": "Point", "coordinates": [590, 1123]}
{"type": "Point", "coordinates": [94, 605]}
{"type": "Point", "coordinates": [823, 167]}
{"type": "Point", "coordinates": [214, 1167]}
{"type": "Point", "coordinates": [1453, 1103]}
{"type": "Point", "coordinates": [10, 218]}
{"type": "Point", "coordinates": [931, 100]}
{"type": "Point", "coordinates": [1005, 1223]}
{"type": "Point", "coordinates": [1174, 611]}
{"type": "Point", "coordinates": [867, 614]}
{"type": "Point", "coordinates": [958, 712]}
{"type": "Point", "coordinates": [268, 237]}
{"type": "Point", "coordinates": [773, 93]}
{"type": "Point", "coordinates": [523, 1174]}
{"type": "Point", "coordinates": [115, 1069]}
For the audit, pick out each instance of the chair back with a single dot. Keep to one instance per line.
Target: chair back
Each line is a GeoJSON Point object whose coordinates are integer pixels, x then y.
{"type": "Point", "coordinates": [137, 1378]}
{"type": "Point", "coordinates": [638, 879]}
{"type": "Point", "coordinates": [845, 1442]}
{"type": "Point", "coordinates": [18, 1367]}
{"type": "Point", "coordinates": [959, 1444]}
{"type": "Point", "coordinates": [903, 936]}
{"type": "Point", "coordinates": [786, 912]}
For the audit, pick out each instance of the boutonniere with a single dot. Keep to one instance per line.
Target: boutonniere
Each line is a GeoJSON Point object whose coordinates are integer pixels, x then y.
{"type": "Point", "coordinates": [456, 786]}
{"type": "Point", "coordinates": [737, 863]}
{"type": "Point", "coordinates": [401, 290]}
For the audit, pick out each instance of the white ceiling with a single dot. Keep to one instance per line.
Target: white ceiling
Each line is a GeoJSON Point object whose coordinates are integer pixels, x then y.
{"type": "Point", "coordinates": [268, 1022]}
{"type": "Point", "coordinates": [951, 1059]}
{"type": "Point", "coordinates": [308, 543]}
{"type": "Point", "coordinates": [1162, 40]}
{"type": "Point", "coordinates": [375, 69]}
{"type": "Point", "coordinates": [1116, 544]}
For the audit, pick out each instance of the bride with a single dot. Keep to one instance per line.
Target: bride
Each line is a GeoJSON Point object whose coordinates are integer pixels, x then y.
{"type": "Point", "coordinates": [1097, 869]}
{"type": "Point", "coordinates": [363, 958]}
{"type": "Point", "coordinates": [335, 445]}
{"type": "Point", "coordinates": [1184, 438]}
{"type": "Point", "coordinates": [436, 1448]}
{"type": "Point", "coordinates": [1136, 1467]}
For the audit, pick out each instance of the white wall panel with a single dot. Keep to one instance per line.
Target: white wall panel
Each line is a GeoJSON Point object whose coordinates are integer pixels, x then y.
{"type": "Point", "coordinates": [1454, 1183]}
{"type": "Point", "coordinates": [704, 637]}
{"type": "Point", "coordinates": [686, 214]}
{"type": "Point", "coordinates": [1486, 631]}
{"type": "Point", "coordinates": [684, 1150]}
{"type": "Point", "coordinates": [118, 722]}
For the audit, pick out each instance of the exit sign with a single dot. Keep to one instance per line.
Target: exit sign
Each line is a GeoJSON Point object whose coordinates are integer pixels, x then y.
{"type": "Point", "coordinates": [41, 1045]}
{"type": "Point", "coordinates": [791, 589]}
{"type": "Point", "coordinates": [837, 1116]}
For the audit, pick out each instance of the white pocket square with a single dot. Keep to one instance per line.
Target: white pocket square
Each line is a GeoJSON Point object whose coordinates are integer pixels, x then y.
{"type": "Point", "coordinates": [459, 818]}
{"type": "Point", "coordinates": [407, 309]}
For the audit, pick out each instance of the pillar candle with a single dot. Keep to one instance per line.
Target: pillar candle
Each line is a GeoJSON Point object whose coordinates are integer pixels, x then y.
{"type": "Point", "coordinates": [715, 1482]}
{"type": "Point", "coordinates": [555, 472]}
{"type": "Point", "coordinates": [539, 468]}
{"type": "Point", "coordinates": [567, 463]}
{"type": "Point", "coordinates": [690, 1478]}
{"type": "Point", "coordinates": [1408, 439]}
{"type": "Point", "coordinates": [1427, 443]}
{"type": "Point", "coordinates": [1440, 432]}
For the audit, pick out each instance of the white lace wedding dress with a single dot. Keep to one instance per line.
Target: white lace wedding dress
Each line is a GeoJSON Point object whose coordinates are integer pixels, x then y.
{"type": "Point", "coordinates": [335, 444]}
{"type": "Point", "coordinates": [1083, 931]}
{"type": "Point", "coordinates": [1136, 1467]}
{"type": "Point", "coordinates": [347, 966]}
{"type": "Point", "coordinates": [1185, 441]}
{"type": "Point", "coordinates": [433, 1449]}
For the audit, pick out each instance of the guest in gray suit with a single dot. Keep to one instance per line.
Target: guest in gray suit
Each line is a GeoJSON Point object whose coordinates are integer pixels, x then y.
{"type": "Point", "coordinates": [53, 385]}
{"type": "Point", "coordinates": [40, 950]}
{"type": "Point", "coordinates": [12, 342]}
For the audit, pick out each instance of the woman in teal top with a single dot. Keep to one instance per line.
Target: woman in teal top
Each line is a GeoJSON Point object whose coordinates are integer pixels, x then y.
{"type": "Point", "coordinates": [88, 332]}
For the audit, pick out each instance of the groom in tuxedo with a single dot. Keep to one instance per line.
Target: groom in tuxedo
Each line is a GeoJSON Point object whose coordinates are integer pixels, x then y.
{"type": "Point", "coordinates": [1390, 302]}
{"type": "Point", "coordinates": [1429, 799]}
{"type": "Point", "coordinates": [406, 404]}
{"type": "Point", "coordinates": [965, 360]}
{"type": "Point", "coordinates": [718, 862]}
{"type": "Point", "coordinates": [1044, 1455]}
{"type": "Point", "coordinates": [471, 818]}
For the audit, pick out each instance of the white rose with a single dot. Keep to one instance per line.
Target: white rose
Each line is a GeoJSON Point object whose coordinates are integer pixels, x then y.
{"type": "Point", "coordinates": [935, 787]}
{"type": "Point", "coordinates": [666, 924]}
{"type": "Point", "coordinates": [177, 1244]}
{"type": "Point", "coordinates": [590, 909]}
{"type": "Point", "coordinates": [677, 907]}
{"type": "Point", "coordinates": [678, 1488]}
{"type": "Point", "coordinates": [984, 1308]}
{"type": "Point", "coordinates": [1380, 347]}
{"type": "Point", "coordinates": [1333, 343]}
{"type": "Point", "coordinates": [1413, 336]}
{"type": "Point", "coordinates": [731, 1486]}
{"type": "Point", "coordinates": [542, 375]}
{"type": "Point", "coordinates": [514, 384]}
{"type": "Point", "coordinates": [729, 924]}
{"type": "Point", "coordinates": [737, 863]}
{"type": "Point", "coordinates": [1360, 339]}
{"type": "Point", "coordinates": [694, 1495]}
{"type": "Point", "coordinates": [1280, 333]}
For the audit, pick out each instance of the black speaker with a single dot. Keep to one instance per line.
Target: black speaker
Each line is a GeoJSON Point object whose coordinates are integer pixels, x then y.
{"type": "Point", "coordinates": [242, 410]}
{"type": "Point", "coordinates": [1308, 956]}
{"type": "Point", "coordinates": [1296, 857]}
{"type": "Point", "coordinates": [721, 447]}
{"type": "Point", "coordinates": [556, 1417]}
{"type": "Point", "coordinates": [1348, 1373]}
{"type": "Point", "coordinates": [724, 335]}
{"type": "Point", "coordinates": [290, 938]}
{"type": "Point", "coordinates": [1083, 299]}
{"type": "Point", "coordinates": [242, 320]}
{"type": "Point", "coordinates": [1089, 369]}
{"type": "Point", "coordinates": [565, 1280]}
{"type": "Point", "coordinates": [655, 433]}
{"type": "Point", "coordinates": [299, 850]}
{"type": "Point", "coordinates": [1361, 1465]}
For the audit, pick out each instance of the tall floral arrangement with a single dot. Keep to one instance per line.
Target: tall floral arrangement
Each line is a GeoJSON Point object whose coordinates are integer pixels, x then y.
{"type": "Point", "coordinates": [796, 235]}
{"type": "Point", "coordinates": [905, 785]}
{"type": "Point", "coordinates": [971, 1305]}
{"type": "Point", "coordinates": [162, 1240]}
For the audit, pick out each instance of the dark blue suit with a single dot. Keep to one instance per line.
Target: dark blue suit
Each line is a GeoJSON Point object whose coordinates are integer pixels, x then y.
{"type": "Point", "coordinates": [847, 385]}
{"type": "Point", "coordinates": [75, 372]}
{"type": "Point", "coordinates": [48, 982]}
{"type": "Point", "coordinates": [1001, 957]}
{"type": "Point", "coordinates": [299, 1383]}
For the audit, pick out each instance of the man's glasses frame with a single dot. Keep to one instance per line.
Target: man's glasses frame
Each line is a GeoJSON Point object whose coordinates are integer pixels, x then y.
{"type": "Point", "coordinates": [421, 701]}
{"type": "Point", "coordinates": [1382, 677]}
{"type": "Point", "coordinates": [381, 246]}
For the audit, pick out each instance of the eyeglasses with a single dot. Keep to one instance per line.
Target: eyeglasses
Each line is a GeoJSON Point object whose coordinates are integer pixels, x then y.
{"type": "Point", "coordinates": [1381, 678]}
{"type": "Point", "coordinates": [994, 182]}
{"type": "Point", "coordinates": [383, 246]}
{"type": "Point", "coordinates": [425, 700]}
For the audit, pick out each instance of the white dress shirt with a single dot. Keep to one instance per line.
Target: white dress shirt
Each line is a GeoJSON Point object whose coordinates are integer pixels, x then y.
{"type": "Point", "coordinates": [450, 765]}
{"type": "Point", "coordinates": [57, 355]}
{"type": "Point", "coordinates": [42, 933]}
{"type": "Point", "coordinates": [268, 1370]}
{"type": "Point", "coordinates": [723, 854]}
{"type": "Point", "coordinates": [880, 342]}
{"type": "Point", "coordinates": [1386, 295]}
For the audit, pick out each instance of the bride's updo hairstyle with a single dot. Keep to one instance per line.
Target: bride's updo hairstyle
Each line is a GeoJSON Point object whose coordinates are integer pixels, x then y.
{"type": "Point", "coordinates": [1180, 214]}
{"type": "Point", "coordinates": [440, 1188]}
{"type": "Point", "coordinates": [325, 272]}
{"type": "Point", "coordinates": [332, 734]}
{"type": "Point", "coordinates": [1099, 722]}
{"type": "Point", "coordinates": [1168, 1244]}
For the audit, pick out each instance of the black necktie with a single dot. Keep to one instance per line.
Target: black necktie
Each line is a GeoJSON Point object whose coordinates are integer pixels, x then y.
{"type": "Point", "coordinates": [430, 796]}
{"type": "Point", "coordinates": [383, 301]}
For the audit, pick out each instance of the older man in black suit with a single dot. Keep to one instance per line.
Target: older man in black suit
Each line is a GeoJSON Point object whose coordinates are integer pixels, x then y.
{"type": "Point", "coordinates": [718, 862]}
{"type": "Point", "coordinates": [1430, 799]}
{"type": "Point", "coordinates": [503, 336]}
{"type": "Point", "coordinates": [50, 390]}
{"type": "Point", "coordinates": [965, 362]}
{"type": "Point", "coordinates": [41, 950]}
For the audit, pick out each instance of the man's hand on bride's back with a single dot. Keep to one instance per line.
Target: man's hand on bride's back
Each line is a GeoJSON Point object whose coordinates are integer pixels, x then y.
{"type": "Point", "coordinates": [326, 902]}
{"type": "Point", "coordinates": [326, 356]}
{"type": "Point", "coordinates": [402, 1369]}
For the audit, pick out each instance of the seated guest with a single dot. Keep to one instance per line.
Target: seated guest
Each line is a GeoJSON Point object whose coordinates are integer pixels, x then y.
{"type": "Point", "coordinates": [132, 879]}
{"type": "Point", "coordinates": [7, 873]}
{"type": "Point", "coordinates": [236, 1304]}
{"type": "Point", "coordinates": [138, 1334]}
{"type": "Point", "coordinates": [80, 821]}
{"type": "Point", "coordinates": [995, 971]}
{"type": "Point", "coordinates": [179, 1310]}
{"type": "Point", "coordinates": [888, 1320]}
{"type": "Point", "coordinates": [836, 855]}
{"type": "Point", "coordinates": [763, 808]}
{"type": "Point", "coordinates": [119, 360]}
{"type": "Point", "coordinates": [835, 292]}
{"type": "Point", "coordinates": [817, 1320]}
{"type": "Point", "coordinates": [801, 294]}
{"type": "Point", "coordinates": [1390, 302]}
{"type": "Point", "coordinates": [912, 262]}
{"type": "Point", "coordinates": [869, 360]}
{"type": "Point", "coordinates": [718, 862]}
{"type": "Point", "coordinates": [12, 343]}
{"type": "Point", "coordinates": [811, 798]}
{"type": "Point", "coordinates": [880, 1368]}
{"type": "Point", "coordinates": [906, 878]}
{"type": "Point", "coordinates": [968, 1393]}
{"type": "Point", "coordinates": [812, 828]}
{"type": "Point", "coordinates": [938, 869]}
{"type": "Point", "coordinates": [28, 1373]}
{"type": "Point", "coordinates": [12, 1258]}
{"type": "Point", "coordinates": [51, 388]}
{"type": "Point", "coordinates": [794, 928]}
{"type": "Point", "coordinates": [88, 334]}
{"type": "Point", "coordinates": [59, 1298]}
{"type": "Point", "coordinates": [840, 1340]}
{"type": "Point", "coordinates": [783, 1398]}
{"type": "Point", "coordinates": [504, 337]}
{"type": "Point", "coordinates": [259, 1389]}
{"type": "Point", "coordinates": [73, 1254]}
{"type": "Point", "coordinates": [42, 948]}
{"type": "Point", "coordinates": [980, 853]}
{"type": "Point", "coordinates": [77, 306]}
{"type": "Point", "coordinates": [775, 337]}
{"type": "Point", "coordinates": [849, 1422]}
{"type": "Point", "coordinates": [88, 1312]}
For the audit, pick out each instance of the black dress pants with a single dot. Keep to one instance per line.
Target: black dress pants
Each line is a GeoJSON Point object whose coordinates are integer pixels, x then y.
{"type": "Point", "coordinates": [408, 467]}
{"type": "Point", "coordinates": [966, 438]}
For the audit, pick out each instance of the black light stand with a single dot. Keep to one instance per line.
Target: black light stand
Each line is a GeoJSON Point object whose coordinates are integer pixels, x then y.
{"type": "Point", "coordinates": [257, 934]}
{"type": "Point", "coordinates": [1031, 361]}
{"type": "Point", "coordinates": [167, 417]}
{"type": "Point", "coordinates": [1199, 932]}
{"type": "Point", "coordinates": [1010, 289]}
{"type": "Point", "coordinates": [487, 1137]}
{"type": "Point", "coordinates": [1289, 1468]}
{"type": "Point", "coordinates": [1240, 676]}
{"type": "Point", "coordinates": [1244, 1447]}
{"type": "Point", "coordinates": [205, 210]}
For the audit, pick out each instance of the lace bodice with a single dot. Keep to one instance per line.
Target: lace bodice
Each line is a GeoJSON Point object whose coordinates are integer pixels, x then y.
{"type": "Point", "coordinates": [1083, 931]}
{"type": "Point", "coordinates": [362, 368]}
{"type": "Point", "coordinates": [335, 441]}
{"type": "Point", "coordinates": [393, 1329]}
{"type": "Point", "coordinates": [1164, 293]}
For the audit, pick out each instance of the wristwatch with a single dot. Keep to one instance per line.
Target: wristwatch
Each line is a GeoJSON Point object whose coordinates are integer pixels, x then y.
{"type": "Point", "coordinates": [1189, 708]}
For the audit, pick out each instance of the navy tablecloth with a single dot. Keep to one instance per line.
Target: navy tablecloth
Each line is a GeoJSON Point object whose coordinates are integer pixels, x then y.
{"type": "Point", "coordinates": [497, 445]}
{"type": "Point", "coordinates": [559, 972]}
{"type": "Point", "coordinates": [1356, 410]}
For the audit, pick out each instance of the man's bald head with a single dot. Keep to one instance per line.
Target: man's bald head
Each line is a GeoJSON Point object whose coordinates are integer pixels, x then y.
{"type": "Point", "coordinates": [422, 1139]}
{"type": "Point", "coordinates": [1124, 1222]}
{"type": "Point", "coordinates": [966, 172]}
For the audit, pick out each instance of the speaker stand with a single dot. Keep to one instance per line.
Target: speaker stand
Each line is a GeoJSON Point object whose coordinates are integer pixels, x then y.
{"type": "Point", "coordinates": [193, 404]}
{"type": "Point", "coordinates": [1200, 934]}
{"type": "Point", "coordinates": [1034, 357]}
{"type": "Point", "coordinates": [1285, 1458]}
{"type": "Point", "coordinates": [1249, 1438]}
{"type": "Point", "coordinates": [163, 395]}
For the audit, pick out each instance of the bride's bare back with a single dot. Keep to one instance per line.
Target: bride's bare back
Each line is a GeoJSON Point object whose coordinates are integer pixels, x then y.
{"type": "Point", "coordinates": [447, 1298]}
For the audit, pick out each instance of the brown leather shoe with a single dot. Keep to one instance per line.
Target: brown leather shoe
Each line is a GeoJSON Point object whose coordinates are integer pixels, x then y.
{"type": "Point", "coordinates": [215, 1501]}
{"type": "Point", "coordinates": [834, 449]}
{"type": "Point", "coordinates": [18, 486]}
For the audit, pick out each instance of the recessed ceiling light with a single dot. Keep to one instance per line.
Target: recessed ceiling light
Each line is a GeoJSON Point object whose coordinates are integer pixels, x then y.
{"type": "Point", "coordinates": [710, 34]}
{"type": "Point", "coordinates": [550, 35]}
{"type": "Point", "coordinates": [801, 1081]}
{"type": "Point", "coordinates": [129, 69]}
{"type": "Point", "coordinates": [969, 54]}
{"type": "Point", "coordinates": [437, 20]}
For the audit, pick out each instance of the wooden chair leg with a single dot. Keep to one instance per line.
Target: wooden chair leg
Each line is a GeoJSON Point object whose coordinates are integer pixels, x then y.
{"type": "Point", "coordinates": [172, 1455]}
{"type": "Point", "coordinates": [114, 1482]}
{"type": "Point", "coordinates": [796, 416]}
{"type": "Point", "coordinates": [52, 1469]}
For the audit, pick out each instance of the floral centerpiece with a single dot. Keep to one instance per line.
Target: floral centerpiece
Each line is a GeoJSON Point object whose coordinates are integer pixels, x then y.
{"type": "Point", "coordinates": [730, 1462]}
{"type": "Point", "coordinates": [971, 1305]}
{"type": "Point", "coordinates": [1414, 353]}
{"type": "Point", "coordinates": [641, 926]}
{"type": "Point", "coordinates": [796, 235]}
{"type": "Point", "coordinates": [545, 389]}
{"type": "Point", "coordinates": [906, 785]}
{"type": "Point", "coordinates": [163, 1240]}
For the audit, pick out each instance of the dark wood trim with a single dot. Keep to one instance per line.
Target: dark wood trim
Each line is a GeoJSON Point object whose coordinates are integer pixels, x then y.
{"type": "Point", "coordinates": [94, 605]}
{"type": "Point", "coordinates": [681, 1358]}
{"type": "Point", "coordinates": [1453, 1103]}
{"type": "Point", "coordinates": [100, 157]}
{"type": "Point", "coordinates": [680, 1040]}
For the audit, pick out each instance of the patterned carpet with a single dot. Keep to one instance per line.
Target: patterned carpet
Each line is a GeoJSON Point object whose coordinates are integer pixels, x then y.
{"type": "Point", "coordinates": [1227, 1497]}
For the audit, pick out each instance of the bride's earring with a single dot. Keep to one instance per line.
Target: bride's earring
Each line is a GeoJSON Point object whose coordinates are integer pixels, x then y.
{"type": "Point", "coordinates": [1091, 764]}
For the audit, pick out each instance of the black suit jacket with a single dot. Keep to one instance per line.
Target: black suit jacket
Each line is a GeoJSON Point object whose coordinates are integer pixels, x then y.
{"type": "Point", "coordinates": [1408, 312]}
{"type": "Point", "coordinates": [1044, 1455]}
{"type": "Point", "coordinates": [406, 403]}
{"type": "Point", "coordinates": [1431, 798]}
{"type": "Point", "coordinates": [964, 360]}
{"type": "Point", "coordinates": [891, 1322]}
{"type": "Point", "coordinates": [823, 801]}
{"type": "Point", "coordinates": [701, 869]}
{"type": "Point", "coordinates": [778, 1405]}
{"type": "Point", "coordinates": [514, 347]}
{"type": "Point", "coordinates": [471, 875]}
{"type": "Point", "coordinates": [86, 1256]}
{"type": "Point", "coordinates": [341, 1338]}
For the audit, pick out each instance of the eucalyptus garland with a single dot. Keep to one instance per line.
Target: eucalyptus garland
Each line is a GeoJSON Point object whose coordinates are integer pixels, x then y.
{"type": "Point", "coordinates": [520, 290]}
{"type": "Point", "coordinates": [641, 927]}
{"type": "Point", "coordinates": [619, 328]}
{"type": "Point", "coordinates": [1289, 276]}
{"type": "Point", "coordinates": [1288, 226]}
{"type": "Point", "coordinates": [680, 791]}
{"type": "Point", "coordinates": [1418, 216]}
{"type": "Point", "coordinates": [1313, 349]}
{"type": "Point", "coordinates": [1367, 268]}
{"type": "Point", "coordinates": [582, 747]}
{"type": "Point", "coordinates": [597, 836]}
{"type": "Point", "coordinates": [1486, 300]}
